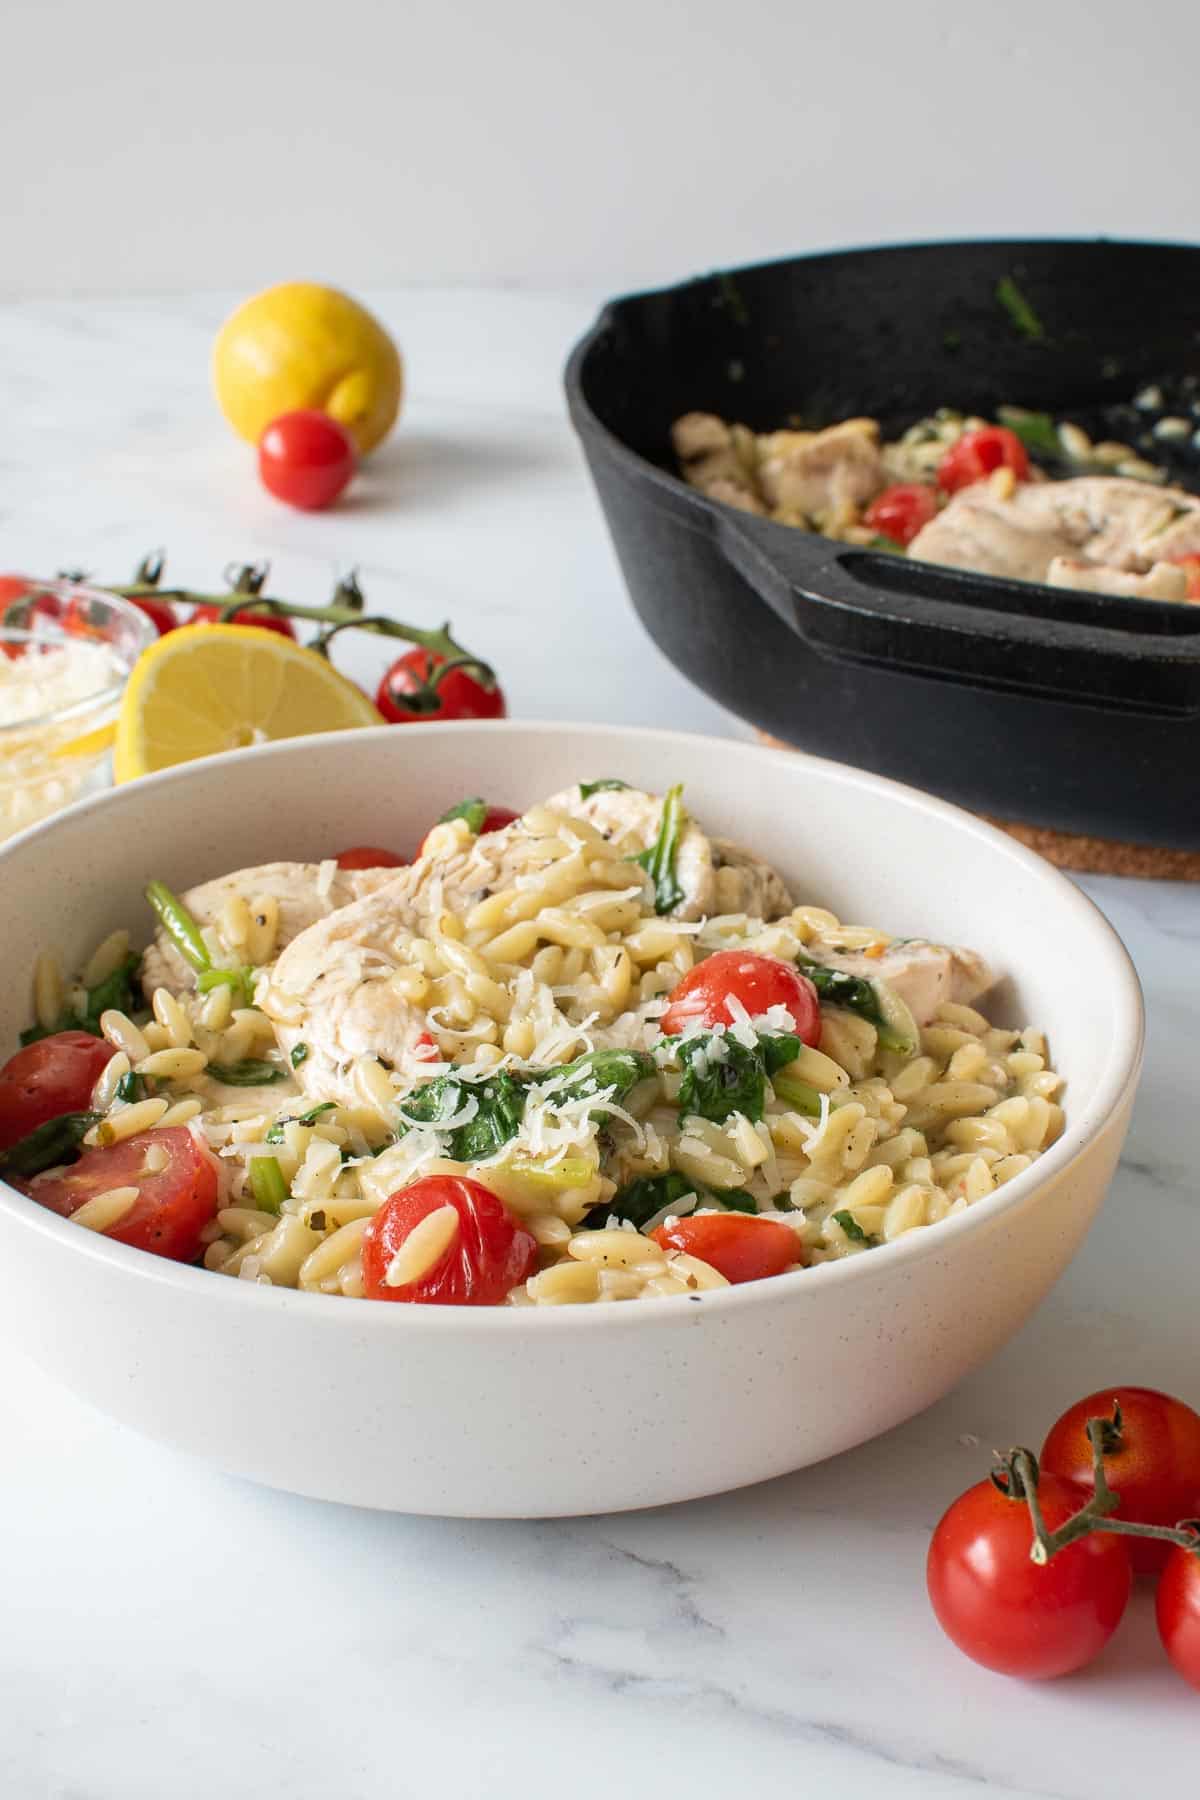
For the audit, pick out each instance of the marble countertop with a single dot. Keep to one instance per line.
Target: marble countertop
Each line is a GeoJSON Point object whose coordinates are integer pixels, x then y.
{"type": "Point", "coordinates": [169, 1631]}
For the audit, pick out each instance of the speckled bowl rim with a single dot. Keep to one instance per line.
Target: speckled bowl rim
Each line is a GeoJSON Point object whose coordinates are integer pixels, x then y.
{"type": "Point", "coordinates": [1085, 1120]}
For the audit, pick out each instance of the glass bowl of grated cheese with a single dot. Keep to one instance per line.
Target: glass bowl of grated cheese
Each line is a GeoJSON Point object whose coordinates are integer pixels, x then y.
{"type": "Point", "coordinates": [65, 654]}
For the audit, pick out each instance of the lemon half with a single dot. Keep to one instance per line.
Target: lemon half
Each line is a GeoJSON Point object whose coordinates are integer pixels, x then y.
{"type": "Point", "coordinates": [207, 688]}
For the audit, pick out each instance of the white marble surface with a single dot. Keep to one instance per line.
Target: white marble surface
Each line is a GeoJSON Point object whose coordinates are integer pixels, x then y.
{"type": "Point", "coordinates": [171, 1632]}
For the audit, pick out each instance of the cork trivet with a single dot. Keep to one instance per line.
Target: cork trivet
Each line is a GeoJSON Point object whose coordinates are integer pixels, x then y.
{"type": "Point", "coordinates": [1085, 855]}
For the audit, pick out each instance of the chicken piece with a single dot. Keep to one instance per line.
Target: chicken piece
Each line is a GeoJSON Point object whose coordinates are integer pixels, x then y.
{"type": "Point", "coordinates": [1108, 521]}
{"type": "Point", "coordinates": [924, 975]}
{"type": "Point", "coordinates": [718, 459]}
{"type": "Point", "coordinates": [296, 887]}
{"type": "Point", "coordinates": [1163, 581]}
{"type": "Point", "coordinates": [822, 474]}
{"type": "Point", "coordinates": [717, 876]}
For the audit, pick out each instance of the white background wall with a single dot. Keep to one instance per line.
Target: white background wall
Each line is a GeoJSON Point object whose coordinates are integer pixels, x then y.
{"type": "Point", "coordinates": [155, 145]}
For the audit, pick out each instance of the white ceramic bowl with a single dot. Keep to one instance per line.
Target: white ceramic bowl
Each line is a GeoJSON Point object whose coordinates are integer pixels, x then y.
{"type": "Point", "coordinates": [499, 1412]}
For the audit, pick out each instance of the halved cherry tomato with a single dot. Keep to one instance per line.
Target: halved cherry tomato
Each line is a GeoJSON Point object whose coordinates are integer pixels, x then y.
{"type": "Point", "coordinates": [1192, 566]}
{"type": "Point", "coordinates": [367, 856]}
{"type": "Point", "coordinates": [481, 818]}
{"type": "Point", "coordinates": [739, 1246]}
{"type": "Point", "coordinates": [306, 458]}
{"type": "Point", "coordinates": [1154, 1466]}
{"type": "Point", "coordinates": [406, 694]}
{"type": "Point", "coordinates": [56, 1075]}
{"type": "Point", "coordinates": [759, 982]}
{"type": "Point", "coordinates": [1004, 1611]}
{"type": "Point", "coordinates": [173, 1206]}
{"type": "Point", "coordinates": [1177, 1609]}
{"type": "Point", "coordinates": [160, 612]}
{"type": "Point", "coordinates": [478, 1259]}
{"type": "Point", "coordinates": [208, 615]}
{"type": "Point", "coordinates": [978, 454]}
{"type": "Point", "coordinates": [901, 511]}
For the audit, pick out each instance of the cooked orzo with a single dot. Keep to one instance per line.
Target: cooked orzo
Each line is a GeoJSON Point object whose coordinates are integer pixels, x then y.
{"type": "Point", "coordinates": [592, 1055]}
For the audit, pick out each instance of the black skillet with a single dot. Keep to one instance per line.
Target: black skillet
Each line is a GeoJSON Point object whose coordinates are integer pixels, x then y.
{"type": "Point", "coordinates": [1052, 707]}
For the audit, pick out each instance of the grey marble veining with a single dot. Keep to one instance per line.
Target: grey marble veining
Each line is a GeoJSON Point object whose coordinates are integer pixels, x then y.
{"type": "Point", "coordinates": [171, 1632]}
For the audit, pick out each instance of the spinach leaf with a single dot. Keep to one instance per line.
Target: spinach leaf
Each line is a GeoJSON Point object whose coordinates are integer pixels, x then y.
{"type": "Point", "coordinates": [500, 1102]}
{"type": "Point", "coordinates": [779, 1050]}
{"type": "Point", "coordinates": [57, 1141]}
{"type": "Point", "coordinates": [274, 1134]}
{"type": "Point", "coordinates": [131, 1087]}
{"type": "Point", "coordinates": [663, 854]}
{"type": "Point", "coordinates": [737, 1200]}
{"type": "Point", "coordinates": [594, 1073]}
{"type": "Point", "coordinates": [611, 786]}
{"type": "Point", "coordinates": [299, 1055]}
{"type": "Point", "coordinates": [852, 1228]}
{"type": "Point", "coordinates": [856, 995]}
{"type": "Point", "coordinates": [1036, 430]}
{"type": "Point", "coordinates": [1024, 319]}
{"type": "Point", "coordinates": [120, 990]}
{"type": "Point", "coordinates": [641, 1200]}
{"type": "Point", "coordinates": [252, 1072]}
{"type": "Point", "coordinates": [715, 1088]}
{"type": "Point", "coordinates": [474, 811]}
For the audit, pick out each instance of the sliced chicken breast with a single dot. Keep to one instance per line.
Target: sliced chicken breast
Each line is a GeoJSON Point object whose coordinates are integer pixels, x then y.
{"type": "Point", "coordinates": [924, 975]}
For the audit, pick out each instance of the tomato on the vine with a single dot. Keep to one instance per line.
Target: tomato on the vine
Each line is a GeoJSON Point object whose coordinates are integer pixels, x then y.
{"type": "Point", "coordinates": [53, 1076]}
{"type": "Point", "coordinates": [1177, 1610]}
{"type": "Point", "coordinates": [412, 690]}
{"type": "Point", "coordinates": [173, 1205]}
{"type": "Point", "coordinates": [369, 856]}
{"type": "Point", "coordinates": [470, 1251]}
{"type": "Point", "coordinates": [1151, 1459]}
{"type": "Point", "coordinates": [739, 1246]}
{"type": "Point", "coordinates": [266, 621]}
{"type": "Point", "coordinates": [758, 982]}
{"type": "Point", "coordinates": [306, 458]}
{"type": "Point", "coordinates": [900, 512]}
{"type": "Point", "coordinates": [978, 454]}
{"type": "Point", "coordinates": [1009, 1613]}
{"type": "Point", "coordinates": [160, 612]}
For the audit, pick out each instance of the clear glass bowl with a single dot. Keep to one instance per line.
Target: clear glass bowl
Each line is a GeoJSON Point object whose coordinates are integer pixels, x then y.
{"type": "Point", "coordinates": [66, 651]}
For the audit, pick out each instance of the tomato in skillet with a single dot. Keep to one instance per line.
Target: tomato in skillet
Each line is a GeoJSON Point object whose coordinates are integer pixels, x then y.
{"type": "Point", "coordinates": [1004, 1611]}
{"type": "Point", "coordinates": [1177, 1608]}
{"type": "Point", "coordinates": [306, 458]}
{"type": "Point", "coordinates": [408, 694]}
{"type": "Point", "coordinates": [1153, 1464]}
{"type": "Point", "coordinates": [978, 454]}
{"type": "Point", "coordinates": [56, 1075]}
{"type": "Point", "coordinates": [173, 1205]}
{"type": "Point", "coordinates": [470, 1252]}
{"type": "Point", "coordinates": [901, 511]}
{"type": "Point", "coordinates": [739, 1246]}
{"type": "Point", "coordinates": [759, 982]}
{"type": "Point", "coordinates": [368, 856]}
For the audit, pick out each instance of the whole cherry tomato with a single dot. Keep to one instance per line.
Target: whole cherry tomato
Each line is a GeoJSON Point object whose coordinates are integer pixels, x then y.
{"type": "Point", "coordinates": [978, 454]}
{"type": "Point", "coordinates": [1177, 1609]}
{"type": "Point", "coordinates": [53, 1076]}
{"type": "Point", "coordinates": [173, 1203]}
{"type": "Point", "coordinates": [366, 856]}
{"type": "Point", "coordinates": [471, 1251]}
{"type": "Point", "coordinates": [160, 612]}
{"type": "Point", "coordinates": [1005, 1611]}
{"type": "Point", "coordinates": [759, 982]}
{"type": "Point", "coordinates": [901, 511]}
{"type": "Point", "coordinates": [410, 691]}
{"type": "Point", "coordinates": [1153, 1461]}
{"type": "Point", "coordinates": [480, 817]}
{"type": "Point", "coordinates": [739, 1246]}
{"type": "Point", "coordinates": [209, 615]}
{"type": "Point", "coordinates": [306, 458]}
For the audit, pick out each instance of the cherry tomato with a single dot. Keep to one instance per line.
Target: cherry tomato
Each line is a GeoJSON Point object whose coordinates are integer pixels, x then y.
{"type": "Point", "coordinates": [487, 1252]}
{"type": "Point", "coordinates": [208, 615]}
{"type": "Point", "coordinates": [306, 458]}
{"type": "Point", "coordinates": [55, 1075]}
{"type": "Point", "coordinates": [173, 1206]}
{"type": "Point", "coordinates": [367, 856]}
{"type": "Point", "coordinates": [1177, 1609]}
{"type": "Point", "coordinates": [1192, 565]}
{"type": "Point", "coordinates": [739, 1246]}
{"type": "Point", "coordinates": [405, 695]}
{"type": "Point", "coordinates": [978, 454]}
{"type": "Point", "coordinates": [901, 511]}
{"type": "Point", "coordinates": [1004, 1611]}
{"type": "Point", "coordinates": [1155, 1468]}
{"type": "Point", "coordinates": [481, 818]}
{"type": "Point", "coordinates": [759, 982]}
{"type": "Point", "coordinates": [160, 612]}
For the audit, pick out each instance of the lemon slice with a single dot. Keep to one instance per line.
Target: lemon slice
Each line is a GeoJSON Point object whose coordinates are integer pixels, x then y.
{"type": "Point", "coordinates": [207, 688]}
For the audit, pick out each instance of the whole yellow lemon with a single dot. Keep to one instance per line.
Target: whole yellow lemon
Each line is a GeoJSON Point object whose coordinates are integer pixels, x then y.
{"type": "Point", "coordinates": [304, 345]}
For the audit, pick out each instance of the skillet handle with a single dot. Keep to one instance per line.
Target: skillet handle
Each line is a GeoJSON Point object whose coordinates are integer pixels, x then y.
{"type": "Point", "coordinates": [882, 611]}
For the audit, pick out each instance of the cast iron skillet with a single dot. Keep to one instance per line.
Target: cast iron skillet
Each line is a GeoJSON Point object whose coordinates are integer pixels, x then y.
{"type": "Point", "coordinates": [1053, 707]}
